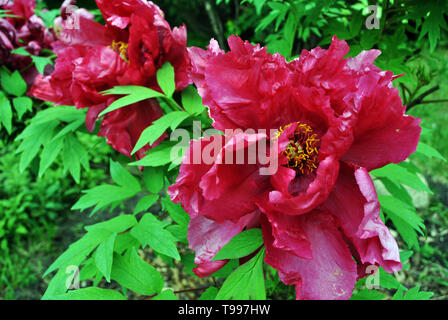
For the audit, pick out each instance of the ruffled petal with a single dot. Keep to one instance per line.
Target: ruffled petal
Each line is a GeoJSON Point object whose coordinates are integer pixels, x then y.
{"type": "Point", "coordinates": [214, 188]}
{"type": "Point", "coordinates": [383, 133]}
{"type": "Point", "coordinates": [355, 203]}
{"type": "Point", "coordinates": [331, 272]}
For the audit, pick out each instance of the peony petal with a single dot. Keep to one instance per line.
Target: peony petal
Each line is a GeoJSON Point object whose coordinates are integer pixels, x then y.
{"type": "Point", "coordinates": [383, 133]}
{"type": "Point", "coordinates": [310, 191]}
{"type": "Point", "coordinates": [355, 203]}
{"type": "Point", "coordinates": [329, 274]}
{"type": "Point", "coordinates": [214, 189]}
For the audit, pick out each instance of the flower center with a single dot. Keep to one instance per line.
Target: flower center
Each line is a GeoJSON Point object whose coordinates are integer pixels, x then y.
{"type": "Point", "coordinates": [302, 151]}
{"type": "Point", "coordinates": [121, 48]}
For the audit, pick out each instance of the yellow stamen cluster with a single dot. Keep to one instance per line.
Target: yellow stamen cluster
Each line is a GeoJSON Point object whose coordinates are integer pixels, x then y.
{"type": "Point", "coordinates": [302, 151]}
{"type": "Point", "coordinates": [121, 48]}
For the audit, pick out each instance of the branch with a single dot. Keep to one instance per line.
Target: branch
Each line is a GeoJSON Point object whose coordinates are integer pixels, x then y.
{"type": "Point", "coordinates": [216, 22]}
{"type": "Point", "coordinates": [419, 99]}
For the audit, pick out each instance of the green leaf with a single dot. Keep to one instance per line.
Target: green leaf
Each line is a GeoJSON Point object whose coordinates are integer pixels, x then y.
{"type": "Point", "coordinates": [49, 154]}
{"type": "Point", "coordinates": [155, 131]}
{"type": "Point", "coordinates": [21, 51]}
{"type": "Point", "coordinates": [192, 101]}
{"type": "Point", "coordinates": [429, 151]}
{"type": "Point", "coordinates": [165, 79]}
{"type": "Point", "coordinates": [72, 127]}
{"type": "Point", "coordinates": [115, 225]}
{"type": "Point", "coordinates": [136, 275]}
{"type": "Point", "coordinates": [134, 95]}
{"type": "Point", "coordinates": [246, 282]}
{"type": "Point", "coordinates": [102, 196]}
{"type": "Point", "coordinates": [41, 63]}
{"type": "Point", "coordinates": [104, 256]}
{"type": "Point", "coordinates": [408, 234]}
{"type": "Point", "coordinates": [5, 113]}
{"type": "Point", "coordinates": [150, 231]}
{"type": "Point", "coordinates": [367, 294]}
{"type": "Point", "coordinates": [388, 281]}
{"type": "Point", "coordinates": [433, 23]}
{"type": "Point", "coordinates": [145, 203]}
{"type": "Point", "coordinates": [12, 83]}
{"type": "Point", "coordinates": [156, 157]}
{"type": "Point", "coordinates": [123, 178]}
{"type": "Point", "coordinates": [393, 206]}
{"type": "Point", "coordinates": [22, 105]}
{"type": "Point", "coordinates": [176, 212]}
{"type": "Point", "coordinates": [400, 174]}
{"type": "Point", "coordinates": [91, 293]}
{"type": "Point", "coordinates": [73, 155]}
{"type": "Point", "coordinates": [241, 245]}
{"type": "Point", "coordinates": [79, 250]}
{"type": "Point", "coordinates": [209, 294]}
{"type": "Point", "coordinates": [153, 179]}
{"type": "Point", "coordinates": [412, 294]}
{"type": "Point", "coordinates": [124, 242]}
{"type": "Point", "coordinates": [167, 294]}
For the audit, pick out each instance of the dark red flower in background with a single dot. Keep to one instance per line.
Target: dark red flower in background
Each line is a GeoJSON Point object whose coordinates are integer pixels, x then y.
{"type": "Point", "coordinates": [333, 120]}
{"type": "Point", "coordinates": [22, 29]}
{"type": "Point", "coordinates": [135, 42]}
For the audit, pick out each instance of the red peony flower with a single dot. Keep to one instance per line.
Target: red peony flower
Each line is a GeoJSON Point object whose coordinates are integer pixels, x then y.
{"type": "Point", "coordinates": [26, 30]}
{"type": "Point", "coordinates": [328, 121]}
{"type": "Point", "coordinates": [135, 42]}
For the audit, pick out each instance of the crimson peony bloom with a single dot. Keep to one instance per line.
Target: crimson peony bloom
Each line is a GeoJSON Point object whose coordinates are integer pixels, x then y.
{"type": "Point", "coordinates": [26, 30]}
{"type": "Point", "coordinates": [332, 120]}
{"type": "Point", "coordinates": [135, 42]}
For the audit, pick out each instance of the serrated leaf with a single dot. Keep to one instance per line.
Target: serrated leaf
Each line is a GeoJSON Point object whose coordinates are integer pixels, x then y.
{"type": "Point", "coordinates": [22, 105]}
{"type": "Point", "coordinates": [123, 178]}
{"type": "Point", "coordinates": [72, 156]}
{"type": "Point", "coordinates": [104, 256]}
{"type": "Point", "coordinates": [241, 245]}
{"type": "Point", "coordinates": [155, 131]}
{"type": "Point", "coordinates": [12, 83]}
{"type": "Point", "coordinates": [176, 212]}
{"type": "Point", "coordinates": [79, 250]}
{"type": "Point", "coordinates": [150, 231]}
{"type": "Point", "coordinates": [393, 206]}
{"type": "Point", "coordinates": [145, 203]}
{"type": "Point", "coordinates": [101, 197]}
{"type": "Point", "coordinates": [136, 275]}
{"type": "Point", "coordinates": [156, 157]}
{"type": "Point", "coordinates": [412, 294]}
{"type": "Point", "coordinates": [115, 225]}
{"type": "Point", "coordinates": [246, 282]}
{"type": "Point", "coordinates": [429, 151]}
{"type": "Point", "coordinates": [133, 94]}
{"type": "Point", "coordinates": [400, 174]}
{"type": "Point", "coordinates": [49, 154]}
